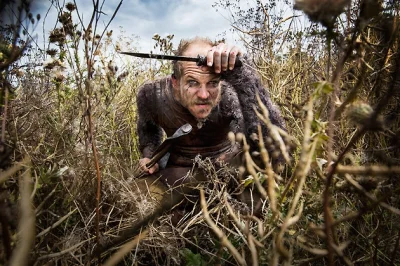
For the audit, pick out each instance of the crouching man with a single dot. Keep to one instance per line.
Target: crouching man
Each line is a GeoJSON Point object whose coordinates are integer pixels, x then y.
{"type": "Point", "coordinates": [215, 99]}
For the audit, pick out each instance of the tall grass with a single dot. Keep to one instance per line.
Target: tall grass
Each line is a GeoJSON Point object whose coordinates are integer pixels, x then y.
{"type": "Point", "coordinates": [334, 203]}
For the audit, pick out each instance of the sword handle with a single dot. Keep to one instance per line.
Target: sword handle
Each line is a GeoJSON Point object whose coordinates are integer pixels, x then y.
{"type": "Point", "coordinates": [202, 61]}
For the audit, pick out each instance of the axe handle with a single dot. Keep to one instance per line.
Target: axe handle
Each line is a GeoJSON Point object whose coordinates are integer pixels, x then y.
{"type": "Point", "coordinates": [164, 147]}
{"type": "Point", "coordinates": [156, 157]}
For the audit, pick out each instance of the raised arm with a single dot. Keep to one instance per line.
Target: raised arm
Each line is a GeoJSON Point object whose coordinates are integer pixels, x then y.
{"type": "Point", "coordinates": [247, 84]}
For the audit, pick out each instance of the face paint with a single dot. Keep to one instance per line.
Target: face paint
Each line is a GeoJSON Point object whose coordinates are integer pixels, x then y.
{"type": "Point", "coordinates": [198, 89]}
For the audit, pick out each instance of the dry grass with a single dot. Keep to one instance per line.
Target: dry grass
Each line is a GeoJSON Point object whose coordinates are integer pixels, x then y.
{"type": "Point", "coordinates": [336, 202]}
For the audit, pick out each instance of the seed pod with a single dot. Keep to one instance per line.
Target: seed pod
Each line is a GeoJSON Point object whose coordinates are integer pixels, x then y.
{"type": "Point", "coordinates": [231, 137]}
{"type": "Point", "coordinates": [242, 170]}
{"type": "Point", "coordinates": [239, 137]}
{"type": "Point", "coordinates": [360, 113]}
{"type": "Point", "coordinates": [70, 6]}
{"type": "Point", "coordinates": [323, 11]}
{"type": "Point", "coordinates": [254, 137]}
{"type": "Point", "coordinates": [276, 154]}
{"type": "Point", "coordinates": [51, 52]}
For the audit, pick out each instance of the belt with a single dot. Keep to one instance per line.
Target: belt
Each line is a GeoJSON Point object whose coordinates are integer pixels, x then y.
{"type": "Point", "coordinates": [184, 155]}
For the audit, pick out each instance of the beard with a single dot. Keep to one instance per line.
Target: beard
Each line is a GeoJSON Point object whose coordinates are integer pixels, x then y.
{"type": "Point", "coordinates": [199, 108]}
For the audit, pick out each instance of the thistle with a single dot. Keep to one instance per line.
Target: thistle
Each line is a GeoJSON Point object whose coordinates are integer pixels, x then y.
{"type": "Point", "coordinates": [360, 114]}
{"type": "Point", "coordinates": [323, 11]}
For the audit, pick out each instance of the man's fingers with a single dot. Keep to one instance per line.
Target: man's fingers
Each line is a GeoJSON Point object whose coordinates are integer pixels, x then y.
{"type": "Point", "coordinates": [235, 51]}
{"type": "Point", "coordinates": [222, 57]}
{"type": "Point", "coordinates": [210, 56]}
{"type": "Point", "coordinates": [225, 59]}
{"type": "Point", "coordinates": [217, 58]}
{"type": "Point", "coordinates": [143, 166]}
{"type": "Point", "coordinates": [153, 169]}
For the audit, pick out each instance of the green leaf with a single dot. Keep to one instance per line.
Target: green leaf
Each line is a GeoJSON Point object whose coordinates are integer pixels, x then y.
{"type": "Point", "coordinates": [322, 87]}
{"type": "Point", "coordinates": [327, 88]}
{"type": "Point", "coordinates": [250, 180]}
{"type": "Point", "coordinates": [191, 258]}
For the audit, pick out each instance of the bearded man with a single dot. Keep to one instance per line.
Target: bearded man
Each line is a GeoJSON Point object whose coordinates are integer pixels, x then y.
{"type": "Point", "coordinates": [215, 99]}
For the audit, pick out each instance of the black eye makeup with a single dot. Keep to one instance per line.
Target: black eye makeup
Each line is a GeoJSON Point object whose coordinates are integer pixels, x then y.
{"type": "Point", "coordinates": [213, 83]}
{"type": "Point", "coordinates": [192, 83]}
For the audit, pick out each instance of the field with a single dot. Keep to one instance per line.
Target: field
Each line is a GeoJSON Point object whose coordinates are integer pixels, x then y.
{"type": "Point", "coordinates": [69, 149]}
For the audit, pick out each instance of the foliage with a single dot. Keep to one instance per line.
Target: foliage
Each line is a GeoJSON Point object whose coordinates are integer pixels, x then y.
{"type": "Point", "coordinates": [72, 124]}
{"type": "Point", "coordinates": [192, 259]}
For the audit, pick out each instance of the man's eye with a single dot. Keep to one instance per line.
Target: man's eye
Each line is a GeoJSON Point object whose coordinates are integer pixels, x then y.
{"type": "Point", "coordinates": [192, 83]}
{"type": "Point", "coordinates": [214, 84]}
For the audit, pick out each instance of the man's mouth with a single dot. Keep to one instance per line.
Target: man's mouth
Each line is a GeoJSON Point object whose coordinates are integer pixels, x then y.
{"type": "Point", "coordinates": [202, 103]}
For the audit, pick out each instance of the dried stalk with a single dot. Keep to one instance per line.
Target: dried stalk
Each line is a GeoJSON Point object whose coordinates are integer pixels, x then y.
{"type": "Point", "coordinates": [14, 169]}
{"type": "Point", "coordinates": [370, 196]}
{"type": "Point", "coordinates": [260, 224]}
{"type": "Point", "coordinates": [238, 223]}
{"type": "Point", "coordinates": [273, 130]}
{"type": "Point", "coordinates": [89, 87]}
{"type": "Point", "coordinates": [220, 234]}
{"type": "Point", "coordinates": [253, 249]}
{"type": "Point", "coordinates": [3, 122]}
{"type": "Point", "coordinates": [396, 247]}
{"type": "Point", "coordinates": [300, 173]}
{"type": "Point", "coordinates": [289, 221]}
{"type": "Point", "coordinates": [250, 166]}
{"type": "Point", "coordinates": [26, 227]}
{"type": "Point", "coordinates": [304, 162]}
{"type": "Point", "coordinates": [39, 208]}
{"type": "Point", "coordinates": [374, 170]}
{"type": "Point", "coordinates": [65, 251]}
{"type": "Point", "coordinates": [329, 221]}
{"type": "Point", "coordinates": [326, 195]}
{"type": "Point", "coordinates": [62, 219]}
{"type": "Point", "coordinates": [125, 249]}
{"type": "Point", "coordinates": [315, 251]}
{"type": "Point", "coordinates": [270, 174]}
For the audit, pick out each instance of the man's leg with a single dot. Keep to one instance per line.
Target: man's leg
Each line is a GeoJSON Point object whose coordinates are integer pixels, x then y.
{"type": "Point", "coordinates": [160, 192]}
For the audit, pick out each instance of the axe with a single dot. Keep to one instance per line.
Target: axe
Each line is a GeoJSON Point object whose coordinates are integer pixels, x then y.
{"type": "Point", "coordinates": [163, 148]}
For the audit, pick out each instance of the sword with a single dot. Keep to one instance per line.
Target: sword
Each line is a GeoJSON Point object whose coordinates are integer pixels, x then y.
{"type": "Point", "coordinates": [200, 60]}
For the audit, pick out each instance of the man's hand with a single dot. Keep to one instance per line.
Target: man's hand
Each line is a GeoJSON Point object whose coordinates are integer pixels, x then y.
{"type": "Point", "coordinates": [142, 164]}
{"type": "Point", "coordinates": [222, 57]}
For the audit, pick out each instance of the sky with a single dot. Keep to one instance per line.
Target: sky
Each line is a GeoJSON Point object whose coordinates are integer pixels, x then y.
{"type": "Point", "coordinates": [144, 18]}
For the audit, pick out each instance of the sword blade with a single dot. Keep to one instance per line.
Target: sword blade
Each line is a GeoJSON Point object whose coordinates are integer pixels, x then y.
{"type": "Point", "coordinates": [162, 56]}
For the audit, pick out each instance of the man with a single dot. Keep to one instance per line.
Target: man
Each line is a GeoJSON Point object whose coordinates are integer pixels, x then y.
{"type": "Point", "coordinates": [215, 99]}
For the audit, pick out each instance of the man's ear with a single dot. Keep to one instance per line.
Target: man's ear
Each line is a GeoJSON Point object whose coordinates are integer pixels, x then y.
{"type": "Point", "coordinates": [175, 81]}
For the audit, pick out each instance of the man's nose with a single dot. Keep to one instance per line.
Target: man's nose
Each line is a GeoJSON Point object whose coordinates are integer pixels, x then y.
{"type": "Point", "coordinates": [203, 93]}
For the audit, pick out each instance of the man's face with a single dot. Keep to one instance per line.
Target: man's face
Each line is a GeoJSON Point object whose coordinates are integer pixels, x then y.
{"type": "Point", "coordinates": [198, 89]}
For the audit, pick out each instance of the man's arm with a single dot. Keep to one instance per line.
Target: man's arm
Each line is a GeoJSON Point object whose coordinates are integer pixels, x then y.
{"type": "Point", "coordinates": [247, 84]}
{"type": "Point", "coordinates": [149, 133]}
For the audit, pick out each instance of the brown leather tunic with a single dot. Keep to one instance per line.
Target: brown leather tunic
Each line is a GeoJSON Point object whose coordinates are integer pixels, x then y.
{"type": "Point", "coordinates": [208, 139]}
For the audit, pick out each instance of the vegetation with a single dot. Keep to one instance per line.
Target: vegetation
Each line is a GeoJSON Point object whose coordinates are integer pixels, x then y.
{"type": "Point", "coordinates": [68, 148]}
